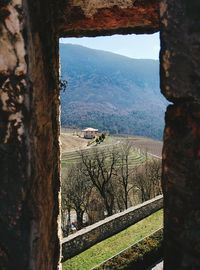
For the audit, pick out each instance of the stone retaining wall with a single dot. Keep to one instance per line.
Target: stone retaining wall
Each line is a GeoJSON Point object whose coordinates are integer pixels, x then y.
{"type": "Point", "coordinates": [87, 237]}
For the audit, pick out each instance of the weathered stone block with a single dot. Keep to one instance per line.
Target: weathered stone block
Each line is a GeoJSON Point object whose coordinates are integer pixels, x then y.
{"type": "Point", "coordinates": [180, 46]}
{"type": "Point", "coordinates": [29, 130]}
{"type": "Point", "coordinates": [181, 184]}
{"type": "Point", "coordinates": [92, 18]}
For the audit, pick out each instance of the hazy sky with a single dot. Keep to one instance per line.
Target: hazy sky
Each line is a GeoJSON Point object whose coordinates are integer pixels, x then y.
{"type": "Point", "coordinates": [135, 46]}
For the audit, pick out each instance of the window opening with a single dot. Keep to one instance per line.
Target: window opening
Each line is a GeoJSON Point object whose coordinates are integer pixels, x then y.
{"type": "Point", "coordinates": [112, 119]}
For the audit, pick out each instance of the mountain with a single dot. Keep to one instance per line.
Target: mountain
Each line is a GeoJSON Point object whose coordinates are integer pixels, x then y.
{"type": "Point", "coordinates": [111, 92]}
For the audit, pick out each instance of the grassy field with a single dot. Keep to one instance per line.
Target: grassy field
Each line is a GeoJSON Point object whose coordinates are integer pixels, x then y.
{"type": "Point", "coordinates": [113, 245]}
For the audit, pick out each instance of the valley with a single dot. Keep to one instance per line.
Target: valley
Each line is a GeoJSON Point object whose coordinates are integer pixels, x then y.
{"type": "Point", "coordinates": [111, 92]}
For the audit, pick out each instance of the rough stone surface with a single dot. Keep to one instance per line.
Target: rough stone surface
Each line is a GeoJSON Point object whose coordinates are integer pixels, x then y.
{"type": "Point", "coordinates": [180, 46]}
{"type": "Point", "coordinates": [180, 83]}
{"type": "Point", "coordinates": [82, 240]}
{"type": "Point", "coordinates": [92, 18]}
{"type": "Point", "coordinates": [29, 148]}
{"type": "Point", "coordinates": [181, 183]}
{"type": "Point", "coordinates": [29, 126]}
{"type": "Point", "coordinates": [29, 113]}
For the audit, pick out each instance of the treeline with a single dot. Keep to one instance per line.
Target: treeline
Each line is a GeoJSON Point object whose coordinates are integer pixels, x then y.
{"type": "Point", "coordinates": [104, 182]}
{"type": "Point", "coordinates": [136, 123]}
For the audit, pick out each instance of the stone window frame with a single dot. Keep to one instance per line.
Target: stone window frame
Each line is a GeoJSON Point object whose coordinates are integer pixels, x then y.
{"type": "Point", "coordinates": [29, 120]}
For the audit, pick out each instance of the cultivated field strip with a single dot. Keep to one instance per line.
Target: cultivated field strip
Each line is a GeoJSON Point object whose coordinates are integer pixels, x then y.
{"type": "Point", "coordinates": [151, 146]}
{"type": "Point", "coordinates": [135, 157]}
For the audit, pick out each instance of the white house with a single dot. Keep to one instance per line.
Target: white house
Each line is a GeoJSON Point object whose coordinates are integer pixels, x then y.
{"type": "Point", "coordinates": [90, 133]}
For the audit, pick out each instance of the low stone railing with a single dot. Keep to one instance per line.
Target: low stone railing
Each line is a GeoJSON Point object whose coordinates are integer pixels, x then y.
{"type": "Point", "coordinates": [91, 235]}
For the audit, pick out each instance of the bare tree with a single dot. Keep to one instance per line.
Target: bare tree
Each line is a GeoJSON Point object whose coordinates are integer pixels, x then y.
{"type": "Point", "coordinates": [147, 179]}
{"type": "Point", "coordinates": [100, 167]}
{"type": "Point", "coordinates": [65, 209]}
{"type": "Point", "coordinates": [155, 176]}
{"type": "Point", "coordinates": [95, 208]}
{"type": "Point", "coordinates": [123, 184]}
{"type": "Point", "coordinates": [76, 191]}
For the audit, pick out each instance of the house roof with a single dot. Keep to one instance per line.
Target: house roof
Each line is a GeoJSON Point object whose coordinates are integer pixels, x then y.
{"type": "Point", "coordinates": [90, 129]}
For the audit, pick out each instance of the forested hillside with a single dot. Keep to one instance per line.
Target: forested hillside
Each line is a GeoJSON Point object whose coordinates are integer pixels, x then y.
{"type": "Point", "coordinates": [111, 92]}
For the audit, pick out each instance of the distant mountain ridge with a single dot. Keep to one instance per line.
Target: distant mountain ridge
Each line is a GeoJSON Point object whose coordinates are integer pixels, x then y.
{"type": "Point", "coordinates": [111, 92]}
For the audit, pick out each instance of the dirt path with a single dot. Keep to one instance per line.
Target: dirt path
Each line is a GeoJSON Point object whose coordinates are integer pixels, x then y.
{"type": "Point", "coordinates": [70, 142]}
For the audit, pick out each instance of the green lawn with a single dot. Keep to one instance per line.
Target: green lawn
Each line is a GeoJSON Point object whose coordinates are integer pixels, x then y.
{"type": "Point", "coordinates": [111, 246]}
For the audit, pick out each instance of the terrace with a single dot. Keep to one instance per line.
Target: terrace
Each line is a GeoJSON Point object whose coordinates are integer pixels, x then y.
{"type": "Point", "coordinates": [89, 236]}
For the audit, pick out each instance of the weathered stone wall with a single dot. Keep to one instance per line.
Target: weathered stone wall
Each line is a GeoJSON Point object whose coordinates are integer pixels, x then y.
{"type": "Point", "coordinates": [101, 17]}
{"type": "Point", "coordinates": [85, 238]}
{"type": "Point", "coordinates": [29, 148]}
{"type": "Point", "coordinates": [29, 128]}
{"type": "Point", "coordinates": [29, 113]}
{"type": "Point", "coordinates": [180, 83]}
